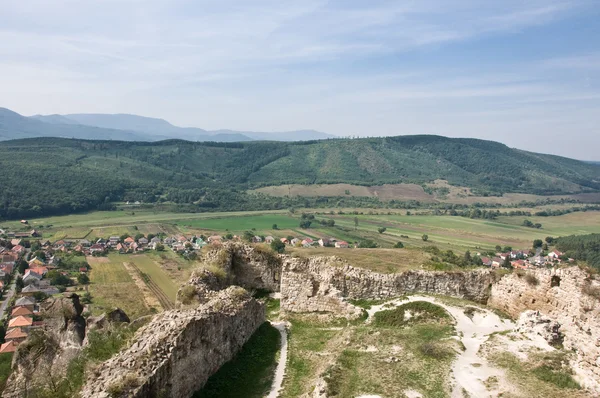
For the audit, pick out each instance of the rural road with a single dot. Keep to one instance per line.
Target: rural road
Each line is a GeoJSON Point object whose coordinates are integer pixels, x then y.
{"type": "Point", "coordinates": [9, 295]}
{"type": "Point", "coordinates": [280, 370]}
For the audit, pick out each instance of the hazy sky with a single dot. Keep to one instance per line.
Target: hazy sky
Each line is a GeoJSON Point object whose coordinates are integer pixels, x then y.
{"type": "Point", "coordinates": [523, 72]}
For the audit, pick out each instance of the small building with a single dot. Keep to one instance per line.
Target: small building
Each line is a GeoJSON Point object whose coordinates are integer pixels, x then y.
{"type": "Point", "coordinates": [30, 290]}
{"type": "Point", "coordinates": [9, 346]}
{"type": "Point", "coordinates": [16, 334]}
{"type": "Point", "coordinates": [295, 241]}
{"type": "Point", "coordinates": [18, 249]}
{"type": "Point", "coordinates": [486, 261]}
{"type": "Point", "coordinates": [285, 240]}
{"type": "Point", "coordinates": [31, 277]}
{"type": "Point", "coordinates": [15, 242]}
{"type": "Point", "coordinates": [20, 321]}
{"type": "Point", "coordinates": [269, 239]}
{"type": "Point", "coordinates": [308, 242]}
{"type": "Point", "coordinates": [256, 239]}
{"type": "Point", "coordinates": [340, 244]}
{"type": "Point", "coordinates": [27, 302]}
{"type": "Point", "coordinates": [143, 241]}
{"type": "Point", "coordinates": [20, 310]}
{"type": "Point", "coordinates": [114, 240]}
{"type": "Point", "coordinates": [555, 254]}
{"type": "Point", "coordinates": [129, 240]}
{"type": "Point", "coordinates": [324, 242]}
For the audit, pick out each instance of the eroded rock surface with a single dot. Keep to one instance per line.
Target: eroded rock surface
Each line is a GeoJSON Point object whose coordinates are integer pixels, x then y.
{"type": "Point", "coordinates": [323, 284]}
{"type": "Point", "coordinates": [565, 296]}
{"type": "Point", "coordinates": [176, 353]}
{"type": "Point", "coordinates": [534, 322]}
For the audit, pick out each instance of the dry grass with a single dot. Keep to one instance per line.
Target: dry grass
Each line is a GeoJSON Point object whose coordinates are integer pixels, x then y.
{"type": "Point", "coordinates": [111, 286]}
{"type": "Point", "coordinates": [378, 260]}
{"type": "Point", "coordinates": [461, 195]}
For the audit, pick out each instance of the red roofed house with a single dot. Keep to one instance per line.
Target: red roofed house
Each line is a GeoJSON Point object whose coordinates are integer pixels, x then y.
{"type": "Point", "coordinates": [20, 321]}
{"type": "Point", "coordinates": [341, 244]}
{"type": "Point", "coordinates": [20, 311]}
{"type": "Point", "coordinates": [129, 240]}
{"type": "Point", "coordinates": [555, 254]}
{"type": "Point", "coordinates": [520, 264]}
{"type": "Point", "coordinates": [7, 347]}
{"type": "Point", "coordinates": [18, 249]}
{"type": "Point", "coordinates": [17, 335]}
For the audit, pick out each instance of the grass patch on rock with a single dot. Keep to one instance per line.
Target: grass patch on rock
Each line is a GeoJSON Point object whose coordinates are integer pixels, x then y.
{"type": "Point", "coordinates": [409, 313]}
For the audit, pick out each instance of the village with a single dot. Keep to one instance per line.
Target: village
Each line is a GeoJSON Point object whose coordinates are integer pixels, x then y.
{"type": "Point", "coordinates": [33, 268]}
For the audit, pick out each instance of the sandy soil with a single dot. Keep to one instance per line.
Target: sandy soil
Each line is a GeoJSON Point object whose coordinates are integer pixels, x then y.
{"type": "Point", "coordinates": [470, 370]}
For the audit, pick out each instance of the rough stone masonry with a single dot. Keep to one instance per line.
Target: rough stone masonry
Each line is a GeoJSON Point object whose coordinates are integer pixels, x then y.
{"type": "Point", "coordinates": [176, 353]}
{"type": "Point", "coordinates": [323, 284]}
{"type": "Point", "coordinates": [568, 296]}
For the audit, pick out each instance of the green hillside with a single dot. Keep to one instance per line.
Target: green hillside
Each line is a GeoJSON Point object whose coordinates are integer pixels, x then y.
{"type": "Point", "coordinates": [46, 176]}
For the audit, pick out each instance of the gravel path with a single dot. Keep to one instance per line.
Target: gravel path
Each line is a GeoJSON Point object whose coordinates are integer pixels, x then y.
{"type": "Point", "coordinates": [280, 370]}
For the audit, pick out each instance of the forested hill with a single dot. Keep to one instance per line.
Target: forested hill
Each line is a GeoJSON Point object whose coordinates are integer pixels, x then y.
{"type": "Point", "coordinates": [51, 175]}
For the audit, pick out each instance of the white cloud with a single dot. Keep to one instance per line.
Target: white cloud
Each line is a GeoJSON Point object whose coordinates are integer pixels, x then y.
{"type": "Point", "coordinates": [340, 66]}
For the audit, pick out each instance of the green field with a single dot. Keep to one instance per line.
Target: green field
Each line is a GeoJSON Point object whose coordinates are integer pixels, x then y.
{"type": "Point", "coordinates": [446, 232]}
{"type": "Point", "coordinates": [148, 266]}
{"type": "Point", "coordinates": [111, 286]}
{"type": "Point", "coordinates": [243, 223]}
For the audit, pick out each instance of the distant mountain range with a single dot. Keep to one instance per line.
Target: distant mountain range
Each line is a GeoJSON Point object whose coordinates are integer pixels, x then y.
{"type": "Point", "coordinates": [125, 127]}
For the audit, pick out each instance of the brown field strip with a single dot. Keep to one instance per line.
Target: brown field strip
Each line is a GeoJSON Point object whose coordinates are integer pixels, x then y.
{"type": "Point", "coordinates": [162, 298]}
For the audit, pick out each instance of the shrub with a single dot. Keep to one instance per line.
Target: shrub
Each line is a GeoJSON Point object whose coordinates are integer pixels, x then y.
{"type": "Point", "coordinates": [399, 245]}
{"type": "Point", "coordinates": [434, 350]}
{"type": "Point", "coordinates": [531, 280]}
{"type": "Point", "coordinates": [187, 294]}
{"type": "Point", "coordinates": [422, 311]}
{"type": "Point", "coordinates": [559, 378]}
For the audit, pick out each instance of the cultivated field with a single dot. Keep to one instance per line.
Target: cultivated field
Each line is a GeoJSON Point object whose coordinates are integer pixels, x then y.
{"type": "Point", "coordinates": [111, 286]}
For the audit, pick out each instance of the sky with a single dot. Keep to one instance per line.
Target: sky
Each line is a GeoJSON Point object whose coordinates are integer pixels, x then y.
{"type": "Point", "coordinates": [522, 72]}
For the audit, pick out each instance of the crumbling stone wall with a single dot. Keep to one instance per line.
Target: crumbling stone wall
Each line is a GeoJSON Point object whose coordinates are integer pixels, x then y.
{"type": "Point", "coordinates": [565, 295]}
{"type": "Point", "coordinates": [176, 353]}
{"type": "Point", "coordinates": [247, 266]}
{"type": "Point", "coordinates": [324, 283]}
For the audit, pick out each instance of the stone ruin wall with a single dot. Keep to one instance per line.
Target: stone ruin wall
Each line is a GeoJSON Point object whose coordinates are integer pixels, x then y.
{"type": "Point", "coordinates": [561, 295]}
{"type": "Point", "coordinates": [324, 283]}
{"type": "Point", "coordinates": [176, 353]}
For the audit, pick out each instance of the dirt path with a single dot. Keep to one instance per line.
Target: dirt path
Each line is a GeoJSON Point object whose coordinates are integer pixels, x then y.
{"type": "Point", "coordinates": [469, 370]}
{"type": "Point", "coordinates": [280, 370]}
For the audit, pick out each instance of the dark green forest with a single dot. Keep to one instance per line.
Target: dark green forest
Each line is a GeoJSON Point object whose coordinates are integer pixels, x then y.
{"type": "Point", "coordinates": [581, 247]}
{"type": "Point", "coordinates": [46, 176]}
